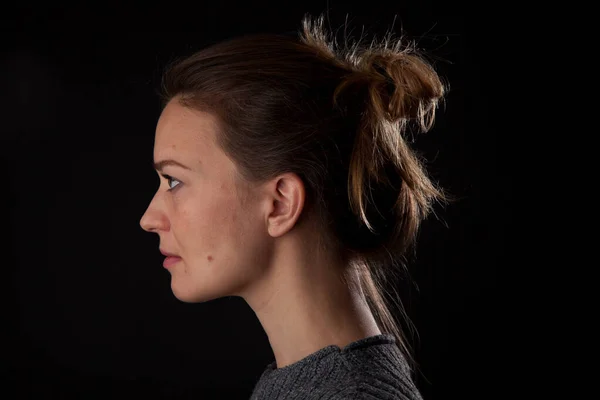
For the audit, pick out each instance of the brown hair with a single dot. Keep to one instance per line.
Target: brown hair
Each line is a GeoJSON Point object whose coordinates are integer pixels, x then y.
{"type": "Point", "coordinates": [339, 119]}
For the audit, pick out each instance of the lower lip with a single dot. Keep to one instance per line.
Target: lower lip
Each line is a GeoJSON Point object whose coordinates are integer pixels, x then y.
{"type": "Point", "coordinates": [169, 261]}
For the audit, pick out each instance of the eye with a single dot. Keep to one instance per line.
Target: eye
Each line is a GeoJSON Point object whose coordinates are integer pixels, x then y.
{"type": "Point", "coordinates": [169, 178]}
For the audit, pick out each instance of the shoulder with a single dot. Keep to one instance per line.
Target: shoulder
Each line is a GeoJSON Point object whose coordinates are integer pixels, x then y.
{"type": "Point", "coordinates": [374, 388]}
{"type": "Point", "coordinates": [356, 393]}
{"type": "Point", "coordinates": [377, 373]}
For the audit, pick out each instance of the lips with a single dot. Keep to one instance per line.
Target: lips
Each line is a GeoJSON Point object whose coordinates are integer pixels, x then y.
{"type": "Point", "coordinates": [168, 253]}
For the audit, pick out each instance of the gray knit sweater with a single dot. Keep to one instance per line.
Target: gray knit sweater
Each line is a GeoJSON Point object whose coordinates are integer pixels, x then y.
{"type": "Point", "coordinates": [372, 368]}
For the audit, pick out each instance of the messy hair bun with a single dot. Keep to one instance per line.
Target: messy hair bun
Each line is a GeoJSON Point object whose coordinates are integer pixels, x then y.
{"type": "Point", "coordinates": [388, 93]}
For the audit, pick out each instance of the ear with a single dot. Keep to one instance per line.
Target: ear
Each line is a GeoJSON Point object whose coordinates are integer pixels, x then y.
{"type": "Point", "coordinates": [286, 197]}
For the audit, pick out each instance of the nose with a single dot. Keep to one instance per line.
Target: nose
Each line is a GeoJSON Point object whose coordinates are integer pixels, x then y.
{"type": "Point", "coordinates": [153, 219]}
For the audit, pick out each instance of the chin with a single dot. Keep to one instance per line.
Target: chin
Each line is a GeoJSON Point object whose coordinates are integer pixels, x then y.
{"type": "Point", "coordinates": [195, 294]}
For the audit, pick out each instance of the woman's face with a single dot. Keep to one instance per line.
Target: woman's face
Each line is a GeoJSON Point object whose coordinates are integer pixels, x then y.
{"type": "Point", "coordinates": [202, 213]}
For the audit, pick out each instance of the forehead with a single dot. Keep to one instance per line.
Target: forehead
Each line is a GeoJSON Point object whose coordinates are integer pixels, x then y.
{"type": "Point", "coordinates": [183, 133]}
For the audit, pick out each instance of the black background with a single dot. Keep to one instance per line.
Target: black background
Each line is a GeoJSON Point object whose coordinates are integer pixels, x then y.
{"type": "Point", "coordinates": [87, 306]}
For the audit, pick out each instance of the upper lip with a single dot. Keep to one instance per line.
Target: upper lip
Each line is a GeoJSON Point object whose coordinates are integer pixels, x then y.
{"type": "Point", "coordinates": [168, 254]}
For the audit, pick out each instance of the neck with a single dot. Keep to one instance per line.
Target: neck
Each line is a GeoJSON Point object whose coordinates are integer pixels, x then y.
{"type": "Point", "coordinates": [304, 304]}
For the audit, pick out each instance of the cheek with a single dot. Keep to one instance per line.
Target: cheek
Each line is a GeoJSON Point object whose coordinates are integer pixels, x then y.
{"type": "Point", "coordinates": [210, 227]}
{"type": "Point", "coordinates": [225, 248]}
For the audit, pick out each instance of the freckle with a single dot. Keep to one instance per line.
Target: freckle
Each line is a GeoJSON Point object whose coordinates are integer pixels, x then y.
{"type": "Point", "coordinates": [210, 258]}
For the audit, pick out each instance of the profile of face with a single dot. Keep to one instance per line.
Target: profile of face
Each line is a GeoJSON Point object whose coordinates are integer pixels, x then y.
{"type": "Point", "coordinates": [202, 213]}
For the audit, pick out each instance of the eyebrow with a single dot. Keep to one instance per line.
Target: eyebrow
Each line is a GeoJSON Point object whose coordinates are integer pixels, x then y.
{"type": "Point", "coordinates": [160, 165]}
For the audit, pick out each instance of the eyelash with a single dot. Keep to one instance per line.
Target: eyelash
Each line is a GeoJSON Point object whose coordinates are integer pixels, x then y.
{"type": "Point", "coordinates": [170, 178]}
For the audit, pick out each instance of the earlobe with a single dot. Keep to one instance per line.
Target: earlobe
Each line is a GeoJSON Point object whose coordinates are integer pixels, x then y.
{"type": "Point", "coordinates": [287, 199]}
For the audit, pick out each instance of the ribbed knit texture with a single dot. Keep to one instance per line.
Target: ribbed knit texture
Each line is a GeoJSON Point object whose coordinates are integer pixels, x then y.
{"type": "Point", "coordinates": [371, 368]}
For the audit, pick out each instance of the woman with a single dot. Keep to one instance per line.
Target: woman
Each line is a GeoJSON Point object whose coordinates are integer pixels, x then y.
{"type": "Point", "coordinates": [288, 181]}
